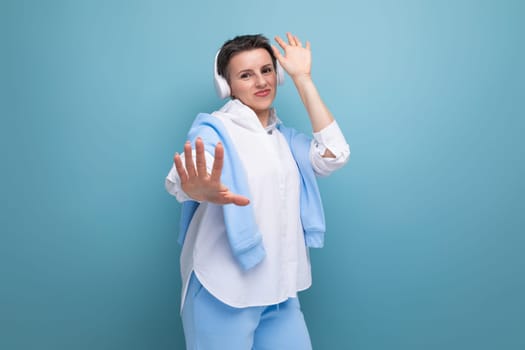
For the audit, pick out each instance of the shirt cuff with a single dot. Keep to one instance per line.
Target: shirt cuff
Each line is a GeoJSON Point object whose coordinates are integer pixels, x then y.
{"type": "Point", "coordinates": [173, 187]}
{"type": "Point", "coordinates": [331, 137]}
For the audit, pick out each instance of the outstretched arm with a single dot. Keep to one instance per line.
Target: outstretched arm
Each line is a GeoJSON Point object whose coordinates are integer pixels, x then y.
{"type": "Point", "coordinates": [197, 183]}
{"type": "Point", "coordinates": [297, 62]}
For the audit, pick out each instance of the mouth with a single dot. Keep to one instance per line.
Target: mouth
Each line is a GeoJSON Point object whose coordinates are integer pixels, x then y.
{"type": "Point", "coordinates": [263, 93]}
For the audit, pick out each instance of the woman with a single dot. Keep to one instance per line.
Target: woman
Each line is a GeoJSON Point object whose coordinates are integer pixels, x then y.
{"type": "Point", "coordinates": [251, 205]}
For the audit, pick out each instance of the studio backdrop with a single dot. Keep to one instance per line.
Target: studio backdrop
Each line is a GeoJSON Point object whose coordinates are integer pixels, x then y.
{"type": "Point", "coordinates": [425, 225]}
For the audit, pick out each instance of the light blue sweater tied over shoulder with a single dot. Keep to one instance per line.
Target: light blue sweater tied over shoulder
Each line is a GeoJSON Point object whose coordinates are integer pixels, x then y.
{"type": "Point", "coordinates": [243, 234]}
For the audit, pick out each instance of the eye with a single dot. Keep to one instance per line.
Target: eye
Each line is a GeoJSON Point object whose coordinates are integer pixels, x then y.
{"type": "Point", "coordinates": [245, 75]}
{"type": "Point", "coordinates": [267, 70]}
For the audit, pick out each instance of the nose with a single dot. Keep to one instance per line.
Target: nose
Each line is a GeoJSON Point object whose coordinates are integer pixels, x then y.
{"type": "Point", "coordinates": [260, 81]}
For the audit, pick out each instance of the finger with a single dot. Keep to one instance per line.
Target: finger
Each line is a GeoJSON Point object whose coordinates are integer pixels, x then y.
{"type": "Point", "coordinates": [239, 200]}
{"type": "Point", "coordinates": [180, 169]}
{"type": "Point", "coordinates": [297, 40]}
{"type": "Point", "coordinates": [291, 39]}
{"type": "Point", "coordinates": [227, 197]}
{"type": "Point", "coordinates": [281, 42]}
{"type": "Point", "coordinates": [217, 163]}
{"type": "Point", "coordinates": [307, 45]}
{"type": "Point", "coordinates": [277, 53]}
{"type": "Point", "coordinates": [188, 157]}
{"type": "Point", "coordinates": [201, 159]}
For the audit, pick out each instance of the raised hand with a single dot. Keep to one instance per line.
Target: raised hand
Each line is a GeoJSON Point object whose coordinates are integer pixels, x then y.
{"type": "Point", "coordinates": [198, 184]}
{"type": "Point", "coordinates": [297, 60]}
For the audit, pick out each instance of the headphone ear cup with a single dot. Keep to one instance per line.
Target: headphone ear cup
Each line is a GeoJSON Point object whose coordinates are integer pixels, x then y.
{"type": "Point", "coordinates": [279, 71]}
{"type": "Point", "coordinates": [221, 85]}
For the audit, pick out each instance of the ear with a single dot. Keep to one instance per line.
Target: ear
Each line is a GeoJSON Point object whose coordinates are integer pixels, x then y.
{"type": "Point", "coordinates": [221, 85]}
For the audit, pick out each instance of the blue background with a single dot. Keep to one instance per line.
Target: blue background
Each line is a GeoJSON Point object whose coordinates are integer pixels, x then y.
{"type": "Point", "coordinates": [425, 234]}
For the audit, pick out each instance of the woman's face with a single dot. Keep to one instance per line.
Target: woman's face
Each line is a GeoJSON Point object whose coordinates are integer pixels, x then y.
{"type": "Point", "coordinates": [253, 80]}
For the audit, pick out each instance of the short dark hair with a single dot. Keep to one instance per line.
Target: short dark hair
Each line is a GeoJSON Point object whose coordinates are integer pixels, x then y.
{"type": "Point", "coordinates": [239, 44]}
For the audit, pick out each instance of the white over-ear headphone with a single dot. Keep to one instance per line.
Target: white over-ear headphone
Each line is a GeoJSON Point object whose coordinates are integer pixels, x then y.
{"type": "Point", "coordinates": [222, 86]}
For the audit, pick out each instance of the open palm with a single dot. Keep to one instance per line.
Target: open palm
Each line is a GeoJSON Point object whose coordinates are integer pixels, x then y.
{"type": "Point", "coordinates": [198, 184]}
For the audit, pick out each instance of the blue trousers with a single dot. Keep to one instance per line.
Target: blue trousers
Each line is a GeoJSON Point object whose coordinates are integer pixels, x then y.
{"type": "Point", "coordinates": [209, 324]}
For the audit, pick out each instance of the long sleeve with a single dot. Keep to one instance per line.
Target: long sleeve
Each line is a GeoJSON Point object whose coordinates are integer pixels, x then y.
{"type": "Point", "coordinates": [333, 139]}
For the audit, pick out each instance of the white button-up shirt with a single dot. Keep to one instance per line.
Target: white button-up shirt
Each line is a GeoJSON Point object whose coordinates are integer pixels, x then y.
{"type": "Point", "coordinates": [274, 182]}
